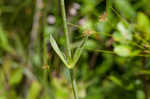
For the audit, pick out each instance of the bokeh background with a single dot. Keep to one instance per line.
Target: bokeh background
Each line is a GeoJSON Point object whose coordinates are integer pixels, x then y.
{"type": "Point", "coordinates": [114, 65]}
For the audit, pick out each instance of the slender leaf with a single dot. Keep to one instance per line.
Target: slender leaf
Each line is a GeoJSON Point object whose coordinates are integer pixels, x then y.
{"type": "Point", "coordinates": [4, 44]}
{"type": "Point", "coordinates": [79, 51]}
{"type": "Point", "coordinates": [16, 77]}
{"type": "Point", "coordinates": [57, 50]}
{"type": "Point", "coordinates": [116, 80]}
{"type": "Point", "coordinates": [34, 90]}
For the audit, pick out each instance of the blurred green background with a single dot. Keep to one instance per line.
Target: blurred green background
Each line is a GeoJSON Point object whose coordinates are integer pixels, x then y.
{"type": "Point", "coordinates": [114, 65]}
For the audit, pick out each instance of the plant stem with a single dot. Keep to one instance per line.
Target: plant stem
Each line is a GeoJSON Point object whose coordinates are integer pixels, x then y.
{"type": "Point", "coordinates": [74, 86]}
{"type": "Point", "coordinates": [65, 27]}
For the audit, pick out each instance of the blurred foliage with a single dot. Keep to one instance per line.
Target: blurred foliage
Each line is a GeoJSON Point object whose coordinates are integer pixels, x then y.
{"type": "Point", "coordinates": [115, 62]}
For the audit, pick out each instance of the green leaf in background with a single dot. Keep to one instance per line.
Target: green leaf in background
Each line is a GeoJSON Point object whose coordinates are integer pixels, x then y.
{"type": "Point", "coordinates": [122, 50]}
{"type": "Point", "coordinates": [90, 5]}
{"type": "Point", "coordinates": [129, 87]}
{"type": "Point", "coordinates": [116, 80]}
{"type": "Point", "coordinates": [118, 37]}
{"type": "Point", "coordinates": [61, 91]}
{"type": "Point", "coordinates": [91, 45]}
{"type": "Point", "coordinates": [103, 28]}
{"type": "Point", "coordinates": [125, 8]}
{"type": "Point", "coordinates": [126, 50]}
{"type": "Point", "coordinates": [124, 31]}
{"type": "Point", "coordinates": [143, 24]}
{"type": "Point", "coordinates": [16, 76]}
{"type": "Point", "coordinates": [4, 40]}
{"type": "Point", "coordinates": [34, 90]}
{"type": "Point", "coordinates": [140, 94]}
{"type": "Point", "coordinates": [57, 50]}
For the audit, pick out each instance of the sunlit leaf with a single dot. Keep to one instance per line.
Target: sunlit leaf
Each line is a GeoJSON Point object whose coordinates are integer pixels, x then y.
{"type": "Point", "coordinates": [140, 94]}
{"type": "Point", "coordinates": [122, 50]}
{"type": "Point", "coordinates": [91, 45]}
{"type": "Point", "coordinates": [130, 86]}
{"type": "Point", "coordinates": [34, 90]}
{"type": "Point", "coordinates": [124, 31]}
{"type": "Point", "coordinates": [4, 40]}
{"type": "Point", "coordinates": [116, 80]}
{"type": "Point", "coordinates": [143, 24]}
{"type": "Point", "coordinates": [16, 77]}
{"type": "Point", "coordinates": [118, 37]}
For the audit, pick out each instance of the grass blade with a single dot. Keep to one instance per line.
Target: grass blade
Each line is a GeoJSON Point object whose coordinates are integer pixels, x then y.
{"type": "Point", "coordinates": [79, 51]}
{"type": "Point", "coordinates": [57, 50]}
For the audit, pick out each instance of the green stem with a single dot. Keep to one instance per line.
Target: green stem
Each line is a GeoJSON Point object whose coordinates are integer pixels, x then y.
{"type": "Point", "coordinates": [65, 28]}
{"type": "Point", "coordinates": [74, 86]}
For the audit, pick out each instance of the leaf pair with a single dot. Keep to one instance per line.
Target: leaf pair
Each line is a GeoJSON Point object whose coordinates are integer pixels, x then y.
{"type": "Point", "coordinates": [69, 63]}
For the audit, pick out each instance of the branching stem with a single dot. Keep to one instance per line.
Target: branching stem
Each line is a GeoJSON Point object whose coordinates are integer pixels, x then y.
{"type": "Point", "coordinates": [73, 81]}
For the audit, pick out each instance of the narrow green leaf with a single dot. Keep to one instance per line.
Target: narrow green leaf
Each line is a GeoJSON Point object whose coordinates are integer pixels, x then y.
{"type": "Point", "coordinates": [34, 90]}
{"type": "Point", "coordinates": [79, 51]}
{"type": "Point", "coordinates": [57, 50]}
{"type": "Point", "coordinates": [116, 80]}
{"type": "Point", "coordinates": [4, 44]}
{"type": "Point", "coordinates": [143, 24]}
{"type": "Point", "coordinates": [16, 77]}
